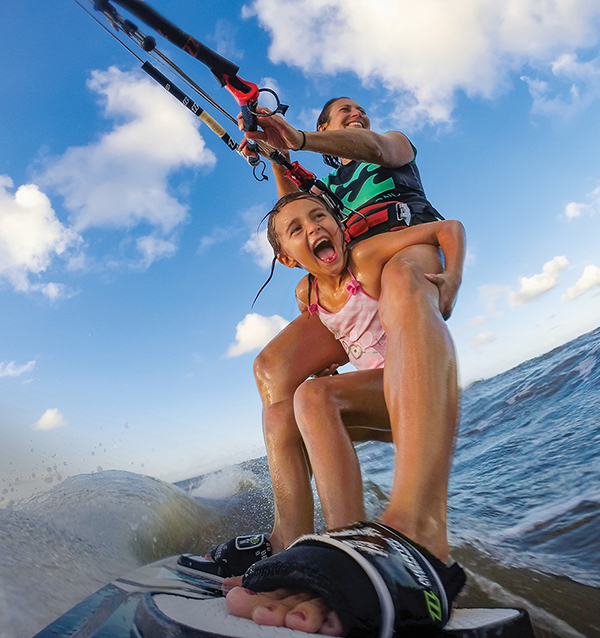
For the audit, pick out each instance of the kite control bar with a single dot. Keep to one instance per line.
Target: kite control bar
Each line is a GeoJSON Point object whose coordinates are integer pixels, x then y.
{"type": "Point", "coordinates": [245, 93]}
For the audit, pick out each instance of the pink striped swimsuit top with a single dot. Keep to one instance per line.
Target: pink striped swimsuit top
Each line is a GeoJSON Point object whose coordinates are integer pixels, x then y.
{"type": "Point", "coordinates": [357, 326]}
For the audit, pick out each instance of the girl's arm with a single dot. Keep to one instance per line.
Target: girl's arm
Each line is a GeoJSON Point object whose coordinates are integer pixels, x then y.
{"type": "Point", "coordinates": [284, 184]}
{"type": "Point", "coordinates": [369, 256]}
{"type": "Point", "coordinates": [390, 149]}
{"type": "Point", "coordinates": [451, 239]}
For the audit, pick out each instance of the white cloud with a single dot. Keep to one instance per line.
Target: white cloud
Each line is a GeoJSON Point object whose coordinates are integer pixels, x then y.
{"type": "Point", "coordinates": [255, 331]}
{"type": "Point", "coordinates": [571, 89]}
{"type": "Point", "coordinates": [587, 281]}
{"type": "Point", "coordinates": [51, 419]}
{"type": "Point", "coordinates": [267, 99]}
{"type": "Point", "coordinates": [217, 235]}
{"type": "Point", "coordinates": [153, 248]}
{"type": "Point", "coordinates": [121, 179]}
{"type": "Point", "coordinates": [532, 287]}
{"type": "Point", "coordinates": [13, 370]}
{"type": "Point", "coordinates": [223, 40]}
{"type": "Point", "coordinates": [470, 258]}
{"type": "Point", "coordinates": [433, 49]}
{"type": "Point", "coordinates": [260, 249]}
{"type": "Point", "coordinates": [54, 291]}
{"type": "Point", "coordinates": [568, 65]}
{"type": "Point", "coordinates": [30, 237]}
{"type": "Point", "coordinates": [482, 339]}
{"type": "Point", "coordinates": [575, 209]}
{"type": "Point", "coordinates": [258, 245]}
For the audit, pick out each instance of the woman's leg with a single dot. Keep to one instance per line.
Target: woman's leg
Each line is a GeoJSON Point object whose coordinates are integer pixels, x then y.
{"type": "Point", "coordinates": [332, 413]}
{"type": "Point", "coordinates": [303, 348]}
{"type": "Point", "coordinates": [421, 393]}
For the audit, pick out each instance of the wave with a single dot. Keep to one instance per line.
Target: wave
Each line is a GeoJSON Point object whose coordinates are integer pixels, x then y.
{"type": "Point", "coordinates": [61, 546]}
{"type": "Point", "coordinates": [559, 607]}
{"type": "Point", "coordinates": [524, 507]}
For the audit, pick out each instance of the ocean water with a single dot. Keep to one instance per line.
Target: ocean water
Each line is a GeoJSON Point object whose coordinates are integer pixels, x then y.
{"type": "Point", "coordinates": [524, 511]}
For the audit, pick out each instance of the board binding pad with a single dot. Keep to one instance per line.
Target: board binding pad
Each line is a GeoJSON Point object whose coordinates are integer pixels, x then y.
{"type": "Point", "coordinates": [143, 604]}
{"type": "Point", "coordinates": [173, 616]}
{"type": "Point", "coordinates": [178, 616]}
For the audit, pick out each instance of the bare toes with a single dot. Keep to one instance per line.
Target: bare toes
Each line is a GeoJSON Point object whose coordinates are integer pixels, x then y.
{"type": "Point", "coordinates": [275, 611]}
{"type": "Point", "coordinates": [229, 583]}
{"type": "Point", "coordinates": [281, 608]}
{"type": "Point", "coordinates": [245, 603]}
{"type": "Point", "coordinates": [308, 615]}
{"type": "Point", "coordinates": [332, 625]}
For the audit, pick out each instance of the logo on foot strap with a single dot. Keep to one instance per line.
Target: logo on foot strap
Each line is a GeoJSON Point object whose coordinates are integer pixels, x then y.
{"type": "Point", "coordinates": [249, 542]}
{"type": "Point", "coordinates": [434, 607]}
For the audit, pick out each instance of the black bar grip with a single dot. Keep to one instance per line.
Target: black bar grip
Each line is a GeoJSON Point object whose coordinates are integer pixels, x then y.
{"type": "Point", "coordinates": [219, 65]}
{"type": "Point", "coordinates": [248, 116]}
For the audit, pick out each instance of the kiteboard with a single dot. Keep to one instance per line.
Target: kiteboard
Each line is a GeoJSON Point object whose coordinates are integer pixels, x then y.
{"type": "Point", "coordinates": [177, 597]}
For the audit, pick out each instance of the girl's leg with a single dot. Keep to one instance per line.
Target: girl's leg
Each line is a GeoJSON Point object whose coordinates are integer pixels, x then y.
{"type": "Point", "coordinates": [421, 392]}
{"type": "Point", "coordinates": [332, 413]}
{"type": "Point", "coordinates": [303, 348]}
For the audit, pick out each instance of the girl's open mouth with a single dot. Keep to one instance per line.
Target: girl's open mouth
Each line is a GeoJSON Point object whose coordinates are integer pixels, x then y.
{"type": "Point", "coordinates": [325, 250]}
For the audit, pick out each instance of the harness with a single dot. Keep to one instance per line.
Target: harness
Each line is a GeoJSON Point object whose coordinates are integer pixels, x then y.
{"type": "Point", "coordinates": [375, 219]}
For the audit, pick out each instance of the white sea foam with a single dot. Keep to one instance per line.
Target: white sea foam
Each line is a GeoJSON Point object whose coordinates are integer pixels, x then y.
{"type": "Point", "coordinates": [225, 483]}
{"type": "Point", "coordinates": [541, 516]}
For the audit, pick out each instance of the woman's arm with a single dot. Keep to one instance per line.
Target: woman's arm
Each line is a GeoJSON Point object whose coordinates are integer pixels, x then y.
{"type": "Point", "coordinates": [390, 149]}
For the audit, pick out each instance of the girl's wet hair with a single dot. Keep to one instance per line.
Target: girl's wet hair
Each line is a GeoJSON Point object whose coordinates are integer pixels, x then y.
{"type": "Point", "coordinates": [324, 117]}
{"type": "Point", "coordinates": [272, 214]}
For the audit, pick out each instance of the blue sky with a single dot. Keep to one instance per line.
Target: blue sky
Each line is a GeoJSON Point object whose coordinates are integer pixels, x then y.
{"type": "Point", "coordinates": [129, 256]}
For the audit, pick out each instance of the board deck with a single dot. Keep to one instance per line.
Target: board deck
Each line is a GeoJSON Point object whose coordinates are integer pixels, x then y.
{"type": "Point", "coordinates": [168, 600]}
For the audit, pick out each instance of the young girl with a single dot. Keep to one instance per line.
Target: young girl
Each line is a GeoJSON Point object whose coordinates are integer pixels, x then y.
{"type": "Point", "coordinates": [345, 289]}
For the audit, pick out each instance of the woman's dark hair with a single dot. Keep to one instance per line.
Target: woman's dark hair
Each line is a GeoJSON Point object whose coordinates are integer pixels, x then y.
{"type": "Point", "coordinates": [272, 214]}
{"type": "Point", "coordinates": [325, 114]}
{"type": "Point", "coordinates": [323, 119]}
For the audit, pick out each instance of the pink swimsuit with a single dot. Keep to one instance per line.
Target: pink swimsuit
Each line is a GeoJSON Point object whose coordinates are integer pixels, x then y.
{"type": "Point", "coordinates": [357, 326]}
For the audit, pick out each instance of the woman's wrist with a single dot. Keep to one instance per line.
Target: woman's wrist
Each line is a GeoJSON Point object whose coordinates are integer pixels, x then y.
{"type": "Point", "coordinates": [302, 143]}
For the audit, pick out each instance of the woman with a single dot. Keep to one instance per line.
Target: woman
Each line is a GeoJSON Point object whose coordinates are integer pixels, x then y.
{"type": "Point", "coordinates": [419, 378]}
{"type": "Point", "coordinates": [306, 347]}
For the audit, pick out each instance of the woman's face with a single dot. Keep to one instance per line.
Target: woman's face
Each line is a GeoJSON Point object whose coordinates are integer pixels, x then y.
{"type": "Point", "coordinates": [309, 236]}
{"type": "Point", "coordinates": [346, 113]}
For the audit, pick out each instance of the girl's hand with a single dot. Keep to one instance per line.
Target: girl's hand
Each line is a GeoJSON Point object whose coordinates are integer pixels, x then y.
{"type": "Point", "coordinates": [327, 371]}
{"type": "Point", "coordinates": [448, 288]}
